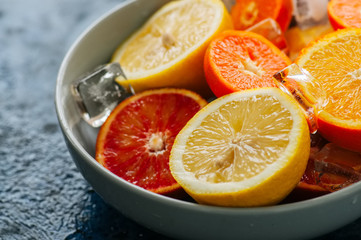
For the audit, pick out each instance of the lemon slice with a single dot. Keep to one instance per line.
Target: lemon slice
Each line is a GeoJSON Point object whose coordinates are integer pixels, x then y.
{"type": "Point", "coordinates": [168, 50]}
{"type": "Point", "coordinates": [248, 148]}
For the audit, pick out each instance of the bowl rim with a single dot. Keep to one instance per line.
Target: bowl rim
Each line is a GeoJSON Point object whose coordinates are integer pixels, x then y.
{"type": "Point", "coordinates": [265, 210]}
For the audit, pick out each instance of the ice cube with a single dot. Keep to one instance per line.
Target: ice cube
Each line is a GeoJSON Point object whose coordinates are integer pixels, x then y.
{"type": "Point", "coordinates": [309, 13]}
{"type": "Point", "coordinates": [271, 30]}
{"type": "Point", "coordinates": [229, 4]}
{"type": "Point", "coordinates": [336, 167]}
{"type": "Point", "coordinates": [294, 81]}
{"type": "Point", "coordinates": [97, 93]}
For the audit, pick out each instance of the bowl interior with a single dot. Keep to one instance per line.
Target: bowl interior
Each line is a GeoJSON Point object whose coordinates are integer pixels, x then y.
{"type": "Point", "coordinates": [95, 47]}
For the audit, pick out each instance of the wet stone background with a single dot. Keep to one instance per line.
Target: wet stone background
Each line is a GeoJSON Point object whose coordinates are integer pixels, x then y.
{"type": "Point", "coordinates": [42, 195]}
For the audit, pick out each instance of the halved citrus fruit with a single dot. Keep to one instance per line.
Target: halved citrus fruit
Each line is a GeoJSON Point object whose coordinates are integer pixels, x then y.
{"type": "Point", "coordinates": [168, 50]}
{"type": "Point", "coordinates": [249, 148]}
{"type": "Point", "coordinates": [344, 13]}
{"type": "Point", "coordinates": [239, 60]}
{"type": "Point", "coordinates": [334, 61]}
{"type": "Point", "coordinates": [246, 13]}
{"type": "Point", "coordinates": [135, 141]}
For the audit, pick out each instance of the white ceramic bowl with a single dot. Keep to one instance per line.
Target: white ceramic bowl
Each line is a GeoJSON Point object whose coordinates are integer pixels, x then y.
{"type": "Point", "coordinates": [172, 217]}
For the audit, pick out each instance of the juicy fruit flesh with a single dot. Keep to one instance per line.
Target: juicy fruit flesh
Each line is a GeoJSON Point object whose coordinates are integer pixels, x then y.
{"type": "Point", "coordinates": [237, 148]}
{"type": "Point", "coordinates": [348, 11]}
{"type": "Point", "coordinates": [340, 77]}
{"type": "Point", "coordinates": [141, 136]}
{"type": "Point", "coordinates": [251, 12]}
{"type": "Point", "coordinates": [169, 36]}
{"type": "Point", "coordinates": [247, 62]}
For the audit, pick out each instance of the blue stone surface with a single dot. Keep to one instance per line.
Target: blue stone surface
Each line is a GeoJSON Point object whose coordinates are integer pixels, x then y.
{"type": "Point", "coordinates": [42, 195]}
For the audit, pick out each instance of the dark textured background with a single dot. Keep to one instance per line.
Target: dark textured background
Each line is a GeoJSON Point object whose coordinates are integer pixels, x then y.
{"type": "Point", "coordinates": [42, 195]}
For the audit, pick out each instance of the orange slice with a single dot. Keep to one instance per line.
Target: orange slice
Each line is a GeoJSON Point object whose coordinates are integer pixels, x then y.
{"type": "Point", "coordinates": [334, 61]}
{"type": "Point", "coordinates": [249, 148]}
{"type": "Point", "coordinates": [246, 13]}
{"type": "Point", "coordinates": [239, 60]}
{"type": "Point", "coordinates": [344, 13]}
{"type": "Point", "coordinates": [135, 141]}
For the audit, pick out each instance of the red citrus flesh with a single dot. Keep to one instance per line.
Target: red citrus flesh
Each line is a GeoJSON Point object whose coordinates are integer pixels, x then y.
{"type": "Point", "coordinates": [135, 141]}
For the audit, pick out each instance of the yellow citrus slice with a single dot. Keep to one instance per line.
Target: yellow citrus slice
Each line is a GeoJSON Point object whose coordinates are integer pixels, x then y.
{"type": "Point", "coordinates": [248, 148]}
{"type": "Point", "coordinates": [168, 50]}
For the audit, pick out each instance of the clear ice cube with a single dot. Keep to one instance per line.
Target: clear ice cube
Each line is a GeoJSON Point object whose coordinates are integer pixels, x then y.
{"type": "Point", "coordinates": [299, 84]}
{"type": "Point", "coordinates": [271, 30]}
{"type": "Point", "coordinates": [229, 4]}
{"type": "Point", "coordinates": [309, 13]}
{"type": "Point", "coordinates": [97, 93]}
{"type": "Point", "coordinates": [336, 167]}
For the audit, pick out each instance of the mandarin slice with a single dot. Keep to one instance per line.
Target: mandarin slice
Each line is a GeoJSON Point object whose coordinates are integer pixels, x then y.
{"type": "Point", "coordinates": [239, 60]}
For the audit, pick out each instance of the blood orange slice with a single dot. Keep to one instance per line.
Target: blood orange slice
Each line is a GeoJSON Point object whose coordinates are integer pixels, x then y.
{"type": "Point", "coordinates": [135, 141]}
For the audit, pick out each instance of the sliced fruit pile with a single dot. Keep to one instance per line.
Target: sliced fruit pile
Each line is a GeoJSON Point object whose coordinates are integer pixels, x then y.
{"type": "Point", "coordinates": [251, 145]}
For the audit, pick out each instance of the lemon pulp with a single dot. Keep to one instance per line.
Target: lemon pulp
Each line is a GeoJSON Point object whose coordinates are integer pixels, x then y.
{"type": "Point", "coordinates": [237, 148]}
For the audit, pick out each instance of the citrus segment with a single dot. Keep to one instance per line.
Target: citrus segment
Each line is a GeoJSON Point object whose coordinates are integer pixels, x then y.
{"type": "Point", "coordinates": [248, 148]}
{"type": "Point", "coordinates": [334, 62]}
{"type": "Point", "coordinates": [246, 13]}
{"type": "Point", "coordinates": [168, 50]}
{"type": "Point", "coordinates": [344, 13]}
{"type": "Point", "coordinates": [239, 60]}
{"type": "Point", "coordinates": [135, 141]}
